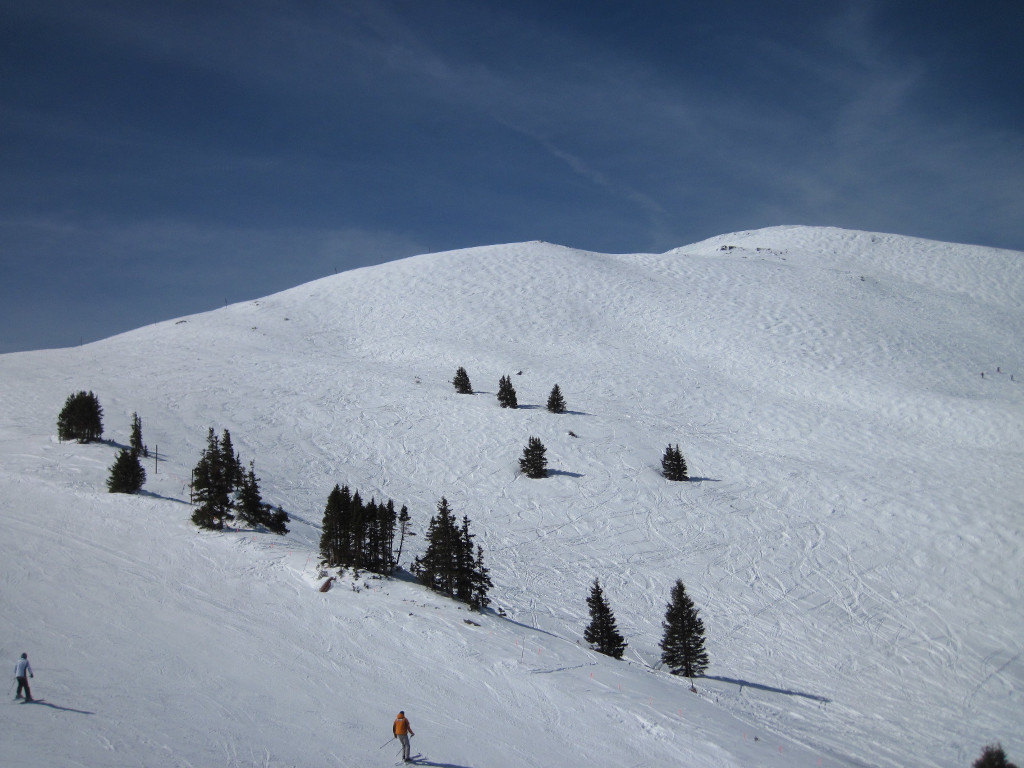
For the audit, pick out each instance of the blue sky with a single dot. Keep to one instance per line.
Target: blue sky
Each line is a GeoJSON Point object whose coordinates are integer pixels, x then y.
{"type": "Point", "coordinates": [163, 158]}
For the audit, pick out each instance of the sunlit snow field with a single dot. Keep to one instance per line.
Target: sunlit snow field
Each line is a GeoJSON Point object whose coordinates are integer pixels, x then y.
{"type": "Point", "coordinates": [852, 532]}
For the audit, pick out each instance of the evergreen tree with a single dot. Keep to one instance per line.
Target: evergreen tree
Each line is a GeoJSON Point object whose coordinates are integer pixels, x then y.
{"type": "Point", "coordinates": [507, 393]}
{"type": "Point", "coordinates": [438, 567]}
{"type": "Point", "coordinates": [449, 566]}
{"type": "Point", "coordinates": [384, 559]}
{"type": "Point", "coordinates": [682, 647]}
{"type": "Point", "coordinates": [331, 530]}
{"type": "Point", "coordinates": [404, 525]}
{"type": "Point", "coordinates": [556, 403]}
{"type": "Point", "coordinates": [673, 465]}
{"type": "Point", "coordinates": [461, 382]}
{"type": "Point", "coordinates": [602, 633]}
{"type": "Point", "coordinates": [232, 462]}
{"type": "Point", "coordinates": [137, 446]}
{"type": "Point", "coordinates": [81, 418]}
{"type": "Point", "coordinates": [250, 508]}
{"type": "Point", "coordinates": [126, 474]}
{"type": "Point", "coordinates": [993, 756]}
{"type": "Point", "coordinates": [212, 486]}
{"type": "Point", "coordinates": [534, 463]}
{"type": "Point", "coordinates": [357, 535]}
{"type": "Point", "coordinates": [464, 563]}
{"type": "Point", "coordinates": [481, 583]}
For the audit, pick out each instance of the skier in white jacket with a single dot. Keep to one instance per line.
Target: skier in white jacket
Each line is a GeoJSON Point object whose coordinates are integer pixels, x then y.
{"type": "Point", "coordinates": [23, 671]}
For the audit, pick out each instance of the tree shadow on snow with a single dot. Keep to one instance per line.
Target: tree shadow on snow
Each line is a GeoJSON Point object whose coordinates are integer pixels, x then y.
{"type": "Point", "coordinates": [768, 688]}
{"type": "Point", "coordinates": [45, 703]}
{"type": "Point", "coordinates": [563, 472]}
{"type": "Point", "coordinates": [144, 492]}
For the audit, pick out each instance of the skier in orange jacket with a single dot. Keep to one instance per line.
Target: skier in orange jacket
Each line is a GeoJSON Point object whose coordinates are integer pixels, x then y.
{"type": "Point", "coordinates": [403, 731]}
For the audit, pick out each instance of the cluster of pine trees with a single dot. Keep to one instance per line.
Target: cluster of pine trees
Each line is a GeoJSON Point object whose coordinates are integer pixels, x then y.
{"type": "Point", "coordinates": [81, 418]}
{"type": "Point", "coordinates": [507, 397]}
{"type": "Point", "coordinates": [361, 536]}
{"type": "Point", "coordinates": [450, 565]}
{"type": "Point", "coordinates": [222, 490]}
{"type": "Point", "coordinates": [682, 644]}
{"type": "Point", "coordinates": [533, 463]}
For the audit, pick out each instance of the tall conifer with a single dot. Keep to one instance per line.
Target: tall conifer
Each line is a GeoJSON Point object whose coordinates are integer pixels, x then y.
{"type": "Point", "coordinates": [135, 441]}
{"type": "Point", "coordinates": [602, 633]}
{"type": "Point", "coordinates": [507, 393]}
{"type": "Point", "coordinates": [682, 646]}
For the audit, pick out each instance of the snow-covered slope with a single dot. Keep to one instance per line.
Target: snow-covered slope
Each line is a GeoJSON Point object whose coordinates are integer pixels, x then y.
{"type": "Point", "coordinates": [852, 535]}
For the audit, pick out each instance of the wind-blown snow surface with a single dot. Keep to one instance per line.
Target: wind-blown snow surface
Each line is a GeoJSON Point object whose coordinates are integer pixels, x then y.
{"type": "Point", "coordinates": [852, 534]}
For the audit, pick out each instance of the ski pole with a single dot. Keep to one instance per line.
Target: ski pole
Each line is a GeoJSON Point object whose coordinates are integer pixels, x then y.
{"type": "Point", "coordinates": [387, 742]}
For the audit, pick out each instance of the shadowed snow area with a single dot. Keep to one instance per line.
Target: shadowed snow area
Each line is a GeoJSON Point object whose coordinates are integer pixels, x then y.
{"type": "Point", "coordinates": [851, 534]}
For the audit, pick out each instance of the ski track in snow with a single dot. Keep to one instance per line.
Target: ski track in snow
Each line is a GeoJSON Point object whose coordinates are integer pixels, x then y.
{"type": "Point", "coordinates": [852, 534]}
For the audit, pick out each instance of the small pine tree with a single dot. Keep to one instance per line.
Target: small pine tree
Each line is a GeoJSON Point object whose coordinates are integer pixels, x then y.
{"type": "Point", "coordinates": [507, 393]}
{"type": "Point", "coordinates": [682, 647]}
{"type": "Point", "coordinates": [137, 446]}
{"type": "Point", "coordinates": [461, 382]}
{"type": "Point", "coordinates": [602, 633]}
{"type": "Point", "coordinates": [126, 474]}
{"type": "Point", "coordinates": [81, 418]}
{"type": "Point", "coordinates": [556, 403]}
{"type": "Point", "coordinates": [673, 465]}
{"type": "Point", "coordinates": [534, 463]}
{"type": "Point", "coordinates": [993, 756]}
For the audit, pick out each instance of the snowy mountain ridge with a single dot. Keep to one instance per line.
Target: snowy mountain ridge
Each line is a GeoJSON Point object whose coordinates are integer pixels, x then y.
{"type": "Point", "coordinates": [851, 534]}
